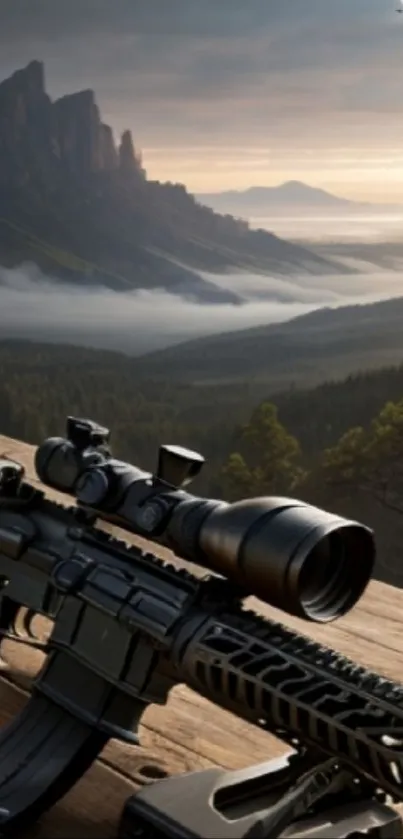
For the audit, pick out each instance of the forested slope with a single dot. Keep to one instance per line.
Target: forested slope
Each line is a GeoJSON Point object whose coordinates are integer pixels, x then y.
{"type": "Point", "coordinates": [339, 445]}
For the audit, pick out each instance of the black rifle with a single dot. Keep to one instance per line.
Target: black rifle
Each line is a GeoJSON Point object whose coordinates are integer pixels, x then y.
{"type": "Point", "coordinates": [127, 627]}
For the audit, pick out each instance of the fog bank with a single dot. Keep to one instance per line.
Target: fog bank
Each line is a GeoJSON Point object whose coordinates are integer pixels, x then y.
{"type": "Point", "coordinates": [325, 226]}
{"type": "Point", "coordinates": [41, 308]}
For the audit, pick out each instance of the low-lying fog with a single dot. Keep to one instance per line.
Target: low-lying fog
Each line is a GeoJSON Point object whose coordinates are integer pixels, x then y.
{"type": "Point", "coordinates": [35, 307]}
{"type": "Point", "coordinates": [327, 227]}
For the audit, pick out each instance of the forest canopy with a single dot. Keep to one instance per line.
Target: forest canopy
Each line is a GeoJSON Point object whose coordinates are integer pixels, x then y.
{"type": "Point", "coordinates": [339, 445]}
{"type": "Point", "coordinates": [345, 435]}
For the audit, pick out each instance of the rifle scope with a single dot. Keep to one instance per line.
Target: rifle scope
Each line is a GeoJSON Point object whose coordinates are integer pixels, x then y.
{"type": "Point", "coordinates": [289, 554]}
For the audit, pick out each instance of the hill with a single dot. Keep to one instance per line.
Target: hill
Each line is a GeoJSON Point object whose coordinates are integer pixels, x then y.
{"type": "Point", "coordinates": [83, 209]}
{"type": "Point", "coordinates": [289, 196]}
{"type": "Point", "coordinates": [39, 387]}
{"type": "Point", "coordinates": [308, 349]}
{"type": "Point", "coordinates": [189, 732]}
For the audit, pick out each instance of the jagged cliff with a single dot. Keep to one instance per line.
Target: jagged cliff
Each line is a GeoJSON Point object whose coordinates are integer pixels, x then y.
{"type": "Point", "coordinates": [44, 139]}
{"type": "Point", "coordinates": [81, 206]}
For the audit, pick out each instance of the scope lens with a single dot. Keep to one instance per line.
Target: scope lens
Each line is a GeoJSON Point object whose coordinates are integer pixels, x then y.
{"type": "Point", "coordinates": [291, 555]}
{"type": "Point", "coordinates": [334, 574]}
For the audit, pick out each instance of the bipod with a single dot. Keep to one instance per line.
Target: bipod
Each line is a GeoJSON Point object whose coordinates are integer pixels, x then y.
{"type": "Point", "coordinates": [292, 797]}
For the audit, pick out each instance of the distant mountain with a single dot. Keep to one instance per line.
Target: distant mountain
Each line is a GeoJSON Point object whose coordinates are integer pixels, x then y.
{"type": "Point", "coordinates": [309, 349]}
{"type": "Point", "coordinates": [263, 200]}
{"type": "Point", "coordinates": [82, 208]}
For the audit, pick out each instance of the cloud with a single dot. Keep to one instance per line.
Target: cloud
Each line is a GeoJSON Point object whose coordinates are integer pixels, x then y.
{"type": "Point", "coordinates": [53, 18]}
{"type": "Point", "coordinates": [286, 53]}
{"type": "Point", "coordinates": [35, 307]}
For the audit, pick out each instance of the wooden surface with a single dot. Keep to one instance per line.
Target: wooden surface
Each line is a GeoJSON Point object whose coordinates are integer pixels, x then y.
{"type": "Point", "coordinates": [190, 733]}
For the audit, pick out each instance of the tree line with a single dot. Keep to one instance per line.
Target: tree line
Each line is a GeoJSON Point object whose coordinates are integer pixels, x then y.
{"type": "Point", "coordinates": [332, 442]}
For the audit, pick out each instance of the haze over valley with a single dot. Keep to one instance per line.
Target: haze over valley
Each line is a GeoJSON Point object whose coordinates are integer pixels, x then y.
{"type": "Point", "coordinates": [39, 307]}
{"type": "Point", "coordinates": [381, 226]}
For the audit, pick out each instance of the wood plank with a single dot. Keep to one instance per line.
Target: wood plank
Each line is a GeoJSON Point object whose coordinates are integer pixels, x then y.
{"type": "Point", "coordinates": [189, 732]}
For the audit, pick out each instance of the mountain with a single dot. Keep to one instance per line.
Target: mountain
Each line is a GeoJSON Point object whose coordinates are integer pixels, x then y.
{"type": "Point", "coordinates": [311, 348]}
{"type": "Point", "coordinates": [289, 196]}
{"type": "Point", "coordinates": [81, 206]}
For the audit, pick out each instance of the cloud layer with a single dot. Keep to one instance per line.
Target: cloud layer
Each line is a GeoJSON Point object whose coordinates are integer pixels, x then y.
{"type": "Point", "coordinates": [34, 307]}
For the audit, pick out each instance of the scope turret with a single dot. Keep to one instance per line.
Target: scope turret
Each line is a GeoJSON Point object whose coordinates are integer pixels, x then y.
{"type": "Point", "coordinates": [291, 555]}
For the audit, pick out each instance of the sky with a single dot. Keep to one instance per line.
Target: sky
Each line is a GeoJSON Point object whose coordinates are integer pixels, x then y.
{"type": "Point", "coordinates": [225, 94]}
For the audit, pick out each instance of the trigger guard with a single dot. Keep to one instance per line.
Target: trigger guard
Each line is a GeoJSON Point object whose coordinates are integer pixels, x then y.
{"type": "Point", "coordinates": [29, 616]}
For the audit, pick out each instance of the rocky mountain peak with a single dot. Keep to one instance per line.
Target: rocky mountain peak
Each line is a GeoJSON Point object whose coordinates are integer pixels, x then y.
{"type": "Point", "coordinates": [52, 140]}
{"type": "Point", "coordinates": [29, 80]}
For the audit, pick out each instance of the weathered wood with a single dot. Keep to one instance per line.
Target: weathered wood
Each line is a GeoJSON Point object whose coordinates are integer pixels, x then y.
{"type": "Point", "coordinates": [190, 733]}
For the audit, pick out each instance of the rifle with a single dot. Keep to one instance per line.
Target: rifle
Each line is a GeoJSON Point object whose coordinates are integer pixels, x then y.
{"type": "Point", "coordinates": [127, 627]}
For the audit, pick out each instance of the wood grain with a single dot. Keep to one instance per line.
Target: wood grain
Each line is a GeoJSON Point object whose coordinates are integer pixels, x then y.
{"type": "Point", "coordinates": [190, 733]}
